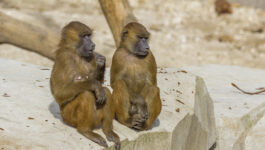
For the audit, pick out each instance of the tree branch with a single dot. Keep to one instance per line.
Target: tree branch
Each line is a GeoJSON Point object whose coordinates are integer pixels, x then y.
{"type": "Point", "coordinates": [118, 13]}
{"type": "Point", "coordinates": [28, 36]}
{"type": "Point", "coordinates": [44, 41]}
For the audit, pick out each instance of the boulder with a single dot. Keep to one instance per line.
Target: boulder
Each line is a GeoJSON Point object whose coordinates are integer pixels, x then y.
{"type": "Point", "coordinates": [239, 117]}
{"type": "Point", "coordinates": [256, 136]}
{"type": "Point", "coordinates": [30, 118]}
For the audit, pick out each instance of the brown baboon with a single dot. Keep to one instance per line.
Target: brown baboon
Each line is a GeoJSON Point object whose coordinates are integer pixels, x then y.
{"type": "Point", "coordinates": [223, 7]}
{"type": "Point", "coordinates": [133, 79]}
{"type": "Point", "coordinates": [76, 84]}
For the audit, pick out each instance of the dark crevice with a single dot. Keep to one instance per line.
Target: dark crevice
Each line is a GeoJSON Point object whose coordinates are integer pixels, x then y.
{"type": "Point", "coordinates": [213, 146]}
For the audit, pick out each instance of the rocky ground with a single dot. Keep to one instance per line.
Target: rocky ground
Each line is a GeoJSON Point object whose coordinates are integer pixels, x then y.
{"type": "Point", "coordinates": [192, 111]}
{"type": "Point", "coordinates": [183, 32]}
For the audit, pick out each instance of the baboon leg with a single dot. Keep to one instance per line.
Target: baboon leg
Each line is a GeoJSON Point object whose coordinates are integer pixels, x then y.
{"type": "Point", "coordinates": [81, 113]}
{"type": "Point", "coordinates": [120, 96]}
{"type": "Point", "coordinates": [107, 122]}
{"type": "Point", "coordinates": [154, 105]}
{"type": "Point", "coordinates": [95, 138]}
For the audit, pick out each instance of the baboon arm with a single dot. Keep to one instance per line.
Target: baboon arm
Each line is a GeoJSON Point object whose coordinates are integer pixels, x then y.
{"type": "Point", "coordinates": [91, 85]}
{"type": "Point", "coordinates": [101, 64]}
{"type": "Point", "coordinates": [116, 70]}
{"type": "Point", "coordinates": [153, 69]}
{"type": "Point", "coordinates": [69, 91]}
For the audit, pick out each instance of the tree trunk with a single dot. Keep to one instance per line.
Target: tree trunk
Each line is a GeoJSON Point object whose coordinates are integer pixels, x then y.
{"type": "Point", "coordinates": [44, 41]}
{"type": "Point", "coordinates": [28, 36]}
{"type": "Point", "coordinates": [118, 13]}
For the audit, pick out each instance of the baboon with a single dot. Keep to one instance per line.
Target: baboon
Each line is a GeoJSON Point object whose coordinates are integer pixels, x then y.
{"type": "Point", "coordinates": [76, 84]}
{"type": "Point", "coordinates": [133, 79]}
{"type": "Point", "coordinates": [223, 7]}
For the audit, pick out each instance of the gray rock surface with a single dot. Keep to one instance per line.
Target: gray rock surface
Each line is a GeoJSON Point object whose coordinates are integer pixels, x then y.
{"type": "Point", "coordinates": [255, 138]}
{"type": "Point", "coordinates": [239, 117]}
{"type": "Point", "coordinates": [30, 118]}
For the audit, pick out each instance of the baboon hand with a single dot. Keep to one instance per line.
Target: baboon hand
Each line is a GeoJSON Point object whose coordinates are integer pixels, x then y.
{"type": "Point", "coordinates": [101, 60]}
{"type": "Point", "coordinates": [101, 95]}
{"type": "Point", "coordinates": [138, 122]}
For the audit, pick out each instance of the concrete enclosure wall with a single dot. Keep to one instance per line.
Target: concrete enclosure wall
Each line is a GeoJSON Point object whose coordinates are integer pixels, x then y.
{"type": "Point", "coordinates": [254, 3]}
{"type": "Point", "coordinates": [251, 3]}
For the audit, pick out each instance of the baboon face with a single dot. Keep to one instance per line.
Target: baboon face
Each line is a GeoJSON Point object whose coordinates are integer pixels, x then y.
{"type": "Point", "coordinates": [86, 46]}
{"type": "Point", "coordinates": [141, 47]}
{"type": "Point", "coordinates": [135, 39]}
{"type": "Point", "coordinates": [77, 36]}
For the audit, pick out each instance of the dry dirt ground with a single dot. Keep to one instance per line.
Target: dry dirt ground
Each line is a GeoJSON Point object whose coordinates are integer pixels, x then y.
{"type": "Point", "coordinates": [182, 32]}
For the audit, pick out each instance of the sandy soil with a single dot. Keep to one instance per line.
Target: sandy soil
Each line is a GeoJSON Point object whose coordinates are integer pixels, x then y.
{"type": "Point", "coordinates": [183, 32]}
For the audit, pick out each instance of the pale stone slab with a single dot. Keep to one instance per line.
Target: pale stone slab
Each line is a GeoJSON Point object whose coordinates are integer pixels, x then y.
{"type": "Point", "coordinates": [237, 115]}
{"type": "Point", "coordinates": [256, 137]}
{"type": "Point", "coordinates": [30, 119]}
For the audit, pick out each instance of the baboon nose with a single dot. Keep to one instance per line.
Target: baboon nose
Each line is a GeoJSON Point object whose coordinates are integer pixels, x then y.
{"type": "Point", "coordinates": [93, 46]}
{"type": "Point", "coordinates": [146, 116]}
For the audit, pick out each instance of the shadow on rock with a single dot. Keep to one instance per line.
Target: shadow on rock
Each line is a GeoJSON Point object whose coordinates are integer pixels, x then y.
{"type": "Point", "coordinates": [55, 110]}
{"type": "Point", "coordinates": [156, 123]}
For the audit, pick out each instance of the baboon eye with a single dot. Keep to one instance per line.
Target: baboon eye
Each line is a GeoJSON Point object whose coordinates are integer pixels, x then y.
{"type": "Point", "coordinates": [140, 38]}
{"type": "Point", "coordinates": [87, 35]}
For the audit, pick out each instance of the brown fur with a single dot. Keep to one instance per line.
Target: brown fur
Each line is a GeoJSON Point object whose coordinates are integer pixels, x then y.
{"type": "Point", "coordinates": [74, 83]}
{"type": "Point", "coordinates": [223, 7]}
{"type": "Point", "coordinates": [132, 78]}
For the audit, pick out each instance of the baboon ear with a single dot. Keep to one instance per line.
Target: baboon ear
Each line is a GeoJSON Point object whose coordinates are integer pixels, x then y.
{"type": "Point", "coordinates": [124, 34]}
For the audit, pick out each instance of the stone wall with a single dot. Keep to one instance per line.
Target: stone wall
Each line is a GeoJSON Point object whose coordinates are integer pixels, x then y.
{"type": "Point", "coordinates": [251, 3]}
{"type": "Point", "coordinates": [254, 3]}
